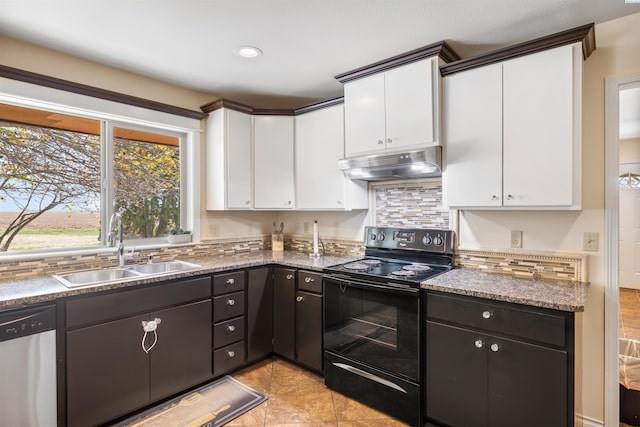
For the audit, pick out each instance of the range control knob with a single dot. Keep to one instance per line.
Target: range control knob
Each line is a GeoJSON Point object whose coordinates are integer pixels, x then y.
{"type": "Point", "coordinates": [373, 236]}
{"type": "Point", "coordinates": [381, 237]}
{"type": "Point", "coordinates": [426, 240]}
{"type": "Point", "coordinates": [438, 240]}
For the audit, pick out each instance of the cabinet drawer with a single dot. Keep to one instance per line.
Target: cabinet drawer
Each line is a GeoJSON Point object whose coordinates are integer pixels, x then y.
{"type": "Point", "coordinates": [125, 303]}
{"type": "Point", "coordinates": [227, 283]}
{"type": "Point", "coordinates": [228, 332]}
{"type": "Point", "coordinates": [228, 358]}
{"type": "Point", "coordinates": [228, 306]}
{"type": "Point", "coordinates": [308, 281]}
{"type": "Point", "coordinates": [527, 324]}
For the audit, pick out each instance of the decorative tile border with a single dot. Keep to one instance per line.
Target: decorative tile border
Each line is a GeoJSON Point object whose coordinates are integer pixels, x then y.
{"type": "Point", "coordinates": [336, 247]}
{"type": "Point", "coordinates": [525, 264]}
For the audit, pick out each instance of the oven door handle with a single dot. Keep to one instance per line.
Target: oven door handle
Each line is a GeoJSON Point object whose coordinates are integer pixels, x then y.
{"type": "Point", "coordinates": [386, 287]}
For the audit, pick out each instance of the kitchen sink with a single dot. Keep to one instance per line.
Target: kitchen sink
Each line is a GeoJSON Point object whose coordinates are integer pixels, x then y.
{"type": "Point", "coordinates": [116, 274]}
{"type": "Point", "coordinates": [163, 267]}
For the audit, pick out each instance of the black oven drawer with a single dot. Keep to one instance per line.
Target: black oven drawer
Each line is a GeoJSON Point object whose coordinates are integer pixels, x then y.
{"type": "Point", "coordinates": [510, 320]}
{"type": "Point", "coordinates": [311, 282]}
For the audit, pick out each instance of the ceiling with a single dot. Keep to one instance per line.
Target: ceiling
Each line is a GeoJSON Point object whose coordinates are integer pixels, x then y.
{"type": "Point", "coordinates": [193, 43]}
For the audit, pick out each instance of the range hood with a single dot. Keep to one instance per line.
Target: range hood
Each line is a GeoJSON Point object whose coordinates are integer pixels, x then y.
{"type": "Point", "coordinates": [413, 164]}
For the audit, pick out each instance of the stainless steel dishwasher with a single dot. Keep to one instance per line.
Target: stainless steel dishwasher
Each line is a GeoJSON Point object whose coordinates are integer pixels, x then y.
{"type": "Point", "coordinates": [28, 372]}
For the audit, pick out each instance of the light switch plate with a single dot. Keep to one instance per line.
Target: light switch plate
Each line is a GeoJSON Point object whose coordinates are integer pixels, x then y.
{"type": "Point", "coordinates": [590, 241]}
{"type": "Point", "coordinates": [516, 239]}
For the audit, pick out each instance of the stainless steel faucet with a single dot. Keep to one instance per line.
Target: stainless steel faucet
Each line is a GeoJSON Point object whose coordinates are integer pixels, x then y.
{"type": "Point", "coordinates": [117, 218]}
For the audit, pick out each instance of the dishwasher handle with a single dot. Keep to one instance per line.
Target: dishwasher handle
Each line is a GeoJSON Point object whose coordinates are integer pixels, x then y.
{"type": "Point", "coordinates": [26, 321]}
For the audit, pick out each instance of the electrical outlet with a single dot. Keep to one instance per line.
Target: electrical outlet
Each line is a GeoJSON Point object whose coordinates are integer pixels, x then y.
{"type": "Point", "coordinates": [214, 230]}
{"type": "Point", "coordinates": [306, 226]}
{"type": "Point", "coordinates": [590, 241]}
{"type": "Point", "coordinates": [516, 239]}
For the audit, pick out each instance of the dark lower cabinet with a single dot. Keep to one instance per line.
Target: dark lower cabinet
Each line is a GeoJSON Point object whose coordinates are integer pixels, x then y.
{"type": "Point", "coordinates": [284, 321]}
{"type": "Point", "coordinates": [109, 374]}
{"type": "Point", "coordinates": [309, 330]}
{"type": "Point", "coordinates": [474, 377]}
{"type": "Point", "coordinates": [259, 314]}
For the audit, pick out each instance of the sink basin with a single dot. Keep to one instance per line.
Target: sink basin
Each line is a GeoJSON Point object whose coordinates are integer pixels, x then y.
{"type": "Point", "coordinates": [163, 267]}
{"type": "Point", "coordinates": [117, 274]}
{"type": "Point", "coordinates": [92, 277]}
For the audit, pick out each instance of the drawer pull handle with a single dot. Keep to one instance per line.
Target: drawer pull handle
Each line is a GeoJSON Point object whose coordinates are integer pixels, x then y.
{"type": "Point", "coordinates": [479, 343]}
{"type": "Point", "coordinates": [308, 279]}
{"type": "Point", "coordinates": [486, 314]}
{"type": "Point", "coordinates": [495, 347]}
{"type": "Point", "coordinates": [231, 353]}
{"type": "Point", "coordinates": [299, 299]}
{"type": "Point", "coordinates": [231, 328]}
{"type": "Point", "coordinates": [289, 276]}
{"type": "Point", "coordinates": [231, 302]}
{"type": "Point", "coordinates": [230, 281]}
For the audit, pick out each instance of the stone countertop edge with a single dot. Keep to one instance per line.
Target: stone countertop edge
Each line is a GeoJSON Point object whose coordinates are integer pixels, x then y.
{"type": "Point", "coordinates": [563, 295]}
{"type": "Point", "coordinates": [16, 292]}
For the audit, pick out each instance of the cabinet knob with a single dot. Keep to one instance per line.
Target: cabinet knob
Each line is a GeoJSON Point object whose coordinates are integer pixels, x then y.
{"type": "Point", "coordinates": [510, 197]}
{"type": "Point", "coordinates": [339, 202]}
{"type": "Point", "coordinates": [231, 353]}
{"type": "Point", "coordinates": [486, 314]}
{"type": "Point", "coordinates": [494, 197]}
{"type": "Point", "coordinates": [389, 140]}
{"type": "Point", "coordinates": [248, 202]}
{"type": "Point", "coordinates": [288, 203]}
{"type": "Point", "coordinates": [289, 276]}
{"type": "Point", "coordinates": [308, 279]}
{"type": "Point", "coordinates": [495, 347]}
{"type": "Point", "coordinates": [231, 281]}
{"type": "Point", "coordinates": [231, 302]}
{"type": "Point", "coordinates": [299, 299]}
{"type": "Point", "coordinates": [231, 328]}
{"type": "Point", "coordinates": [380, 142]}
{"type": "Point", "coordinates": [479, 343]}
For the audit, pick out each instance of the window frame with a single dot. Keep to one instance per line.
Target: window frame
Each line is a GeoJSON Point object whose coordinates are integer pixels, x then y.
{"type": "Point", "coordinates": [113, 114]}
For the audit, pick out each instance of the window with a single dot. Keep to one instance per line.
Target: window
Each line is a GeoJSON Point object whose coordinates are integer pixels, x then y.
{"type": "Point", "coordinates": [62, 176]}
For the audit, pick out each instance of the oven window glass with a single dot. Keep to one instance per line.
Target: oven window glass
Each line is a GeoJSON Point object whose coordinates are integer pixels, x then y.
{"type": "Point", "coordinates": [373, 326]}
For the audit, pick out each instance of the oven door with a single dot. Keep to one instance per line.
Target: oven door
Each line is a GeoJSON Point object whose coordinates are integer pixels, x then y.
{"type": "Point", "coordinates": [374, 324]}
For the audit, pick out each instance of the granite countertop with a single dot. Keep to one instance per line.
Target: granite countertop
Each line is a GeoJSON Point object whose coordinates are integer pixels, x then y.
{"type": "Point", "coordinates": [21, 292]}
{"type": "Point", "coordinates": [562, 295]}
{"type": "Point", "coordinates": [555, 294]}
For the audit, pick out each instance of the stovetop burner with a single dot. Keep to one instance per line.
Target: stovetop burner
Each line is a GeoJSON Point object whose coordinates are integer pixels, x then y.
{"type": "Point", "coordinates": [401, 255]}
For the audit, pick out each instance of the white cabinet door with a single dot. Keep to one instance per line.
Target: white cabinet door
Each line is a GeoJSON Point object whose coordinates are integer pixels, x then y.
{"type": "Point", "coordinates": [473, 137]}
{"type": "Point", "coordinates": [364, 115]}
{"type": "Point", "coordinates": [319, 145]}
{"type": "Point", "coordinates": [273, 162]}
{"type": "Point", "coordinates": [538, 129]}
{"type": "Point", "coordinates": [239, 161]}
{"type": "Point", "coordinates": [409, 105]}
{"type": "Point", "coordinates": [228, 169]}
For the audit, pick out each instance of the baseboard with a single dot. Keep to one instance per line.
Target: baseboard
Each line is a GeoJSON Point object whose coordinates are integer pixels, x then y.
{"type": "Point", "coordinates": [583, 421]}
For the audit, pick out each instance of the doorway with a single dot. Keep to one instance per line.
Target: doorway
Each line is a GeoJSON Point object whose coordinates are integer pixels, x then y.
{"type": "Point", "coordinates": [622, 130]}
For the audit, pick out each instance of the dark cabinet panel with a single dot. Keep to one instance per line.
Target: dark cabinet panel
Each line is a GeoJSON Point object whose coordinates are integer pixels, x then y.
{"type": "Point", "coordinates": [228, 358]}
{"type": "Point", "coordinates": [309, 330]}
{"type": "Point", "coordinates": [456, 376]}
{"type": "Point", "coordinates": [107, 371]}
{"type": "Point", "coordinates": [228, 332]}
{"type": "Point", "coordinates": [259, 313]}
{"type": "Point", "coordinates": [181, 357]}
{"type": "Point", "coordinates": [228, 282]}
{"type": "Point", "coordinates": [284, 291]}
{"type": "Point", "coordinates": [228, 306]}
{"type": "Point", "coordinates": [310, 281]}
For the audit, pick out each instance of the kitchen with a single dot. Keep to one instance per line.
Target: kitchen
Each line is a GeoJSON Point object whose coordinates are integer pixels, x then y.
{"type": "Point", "coordinates": [546, 231]}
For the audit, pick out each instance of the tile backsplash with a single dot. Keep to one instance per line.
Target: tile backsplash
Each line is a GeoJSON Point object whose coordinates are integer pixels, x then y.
{"type": "Point", "coordinates": [416, 204]}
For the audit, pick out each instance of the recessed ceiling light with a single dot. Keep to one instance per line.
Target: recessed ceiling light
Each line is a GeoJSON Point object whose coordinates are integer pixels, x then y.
{"type": "Point", "coordinates": [249, 52]}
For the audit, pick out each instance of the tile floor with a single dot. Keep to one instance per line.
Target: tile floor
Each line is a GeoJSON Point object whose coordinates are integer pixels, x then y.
{"type": "Point", "coordinates": [299, 398]}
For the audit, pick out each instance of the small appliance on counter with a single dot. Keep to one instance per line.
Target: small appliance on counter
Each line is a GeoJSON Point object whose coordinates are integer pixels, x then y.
{"type": "Point", "coordinates": [372, 318]}
{"type": "Point", "coordinates": [277, 238]}
{"type": "Point", "coordinates": [316, 240]}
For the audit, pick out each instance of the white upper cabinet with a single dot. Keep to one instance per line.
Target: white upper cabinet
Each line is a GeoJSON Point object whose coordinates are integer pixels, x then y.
{"type": "Point", "coordinates": [229, 171]}
{"type": "Point", "coordinates": [513, 133]}
{"type": "Point", "coordinates": [319, 144]}
{"type": "Point", "coordinates": [273, 162]}
{"type": "Point", "coordinates": [394, 109]}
